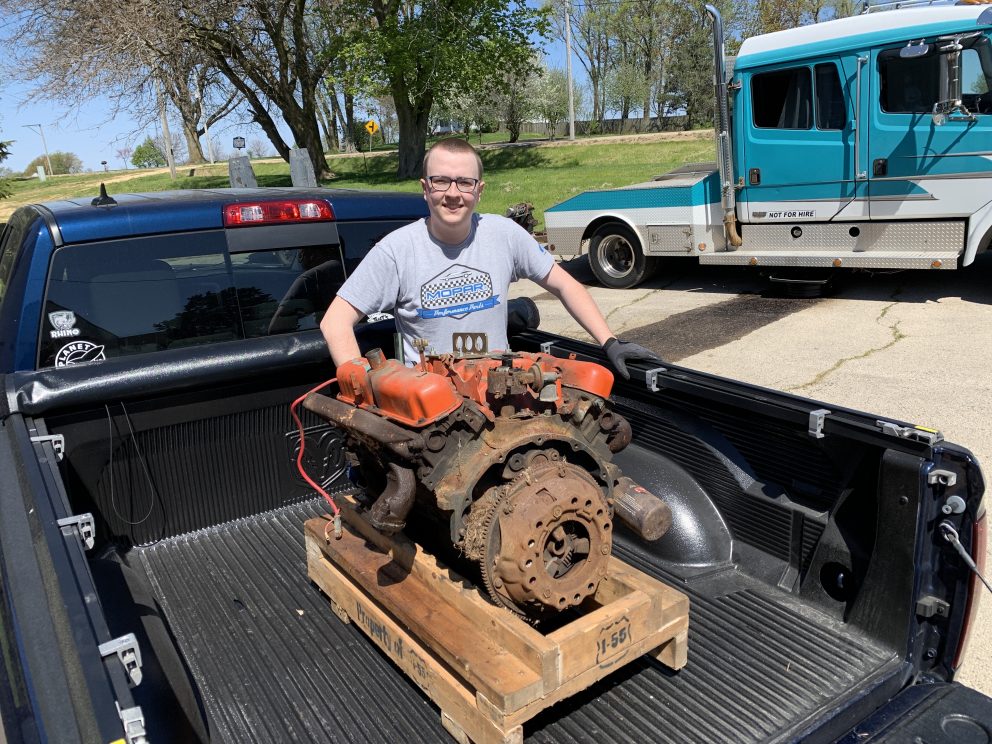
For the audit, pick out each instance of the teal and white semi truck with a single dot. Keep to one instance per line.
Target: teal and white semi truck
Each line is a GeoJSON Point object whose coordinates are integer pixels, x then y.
{"type": "Point", "coordinates": [862, 142]}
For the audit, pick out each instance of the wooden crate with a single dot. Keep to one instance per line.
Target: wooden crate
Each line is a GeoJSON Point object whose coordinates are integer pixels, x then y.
{"type": "Point", "coordinates": [486, 669]}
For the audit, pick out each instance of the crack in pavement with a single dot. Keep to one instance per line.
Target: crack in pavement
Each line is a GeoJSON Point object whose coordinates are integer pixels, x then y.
{"type": "Point", "coordinates": [618, 308]}
{"type": "Point", "coordinates": [897, 336]}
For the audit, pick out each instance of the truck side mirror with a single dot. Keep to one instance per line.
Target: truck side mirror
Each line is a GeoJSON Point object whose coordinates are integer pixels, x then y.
{"type": "Point", "coordinates": [912, 50]}
{"type": "Point", "coordinates": [950, 107]}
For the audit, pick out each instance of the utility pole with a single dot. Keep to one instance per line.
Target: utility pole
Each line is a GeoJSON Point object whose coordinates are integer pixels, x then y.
{"type": "Point", "coordinates": [166, 134]}
{"type": "Point", "coordinates": [568, 67]}
{"type": "Point", "coordinates": [210, 145]}
{"type": "Point", "coordinates": [44, 145]}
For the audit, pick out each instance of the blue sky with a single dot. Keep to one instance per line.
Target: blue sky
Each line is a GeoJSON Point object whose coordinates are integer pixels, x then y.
{"type": "Point", "coordinates": [81, 135]}
{"type": "Point", "coordinates": [88, 133]}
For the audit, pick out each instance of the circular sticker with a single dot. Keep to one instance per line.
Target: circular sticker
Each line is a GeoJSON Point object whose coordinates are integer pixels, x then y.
{"type": "Point", "coordinates": [78, 352]}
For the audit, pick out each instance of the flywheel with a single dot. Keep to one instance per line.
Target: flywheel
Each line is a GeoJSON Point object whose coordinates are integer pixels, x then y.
{"type": "Point", "coordinates": [544, 540]}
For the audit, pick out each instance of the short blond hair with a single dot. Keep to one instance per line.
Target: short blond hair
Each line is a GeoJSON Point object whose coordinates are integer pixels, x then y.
{"type": "Point", "coordinates": [453, 145]}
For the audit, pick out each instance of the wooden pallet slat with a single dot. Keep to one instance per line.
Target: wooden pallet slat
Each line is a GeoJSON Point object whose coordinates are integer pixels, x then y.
{"type": "Point", "coordinates": [467, 649]}
{"type": "Point", "coordinates": [517, 637]}
{"type": "Point", "coordinates": [487, 670]}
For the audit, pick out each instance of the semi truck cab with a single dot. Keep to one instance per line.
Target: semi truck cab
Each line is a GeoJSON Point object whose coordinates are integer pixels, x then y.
{"type": "Point", "coordinates": [863, 142]}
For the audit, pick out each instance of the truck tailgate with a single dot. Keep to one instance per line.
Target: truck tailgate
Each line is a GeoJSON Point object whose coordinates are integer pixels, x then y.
{"type": "Point", "coordinates": [273, 663]}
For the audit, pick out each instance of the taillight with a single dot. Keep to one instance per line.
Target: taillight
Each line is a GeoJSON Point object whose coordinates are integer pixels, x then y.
{"type": "Point", "coordinates": [282, 212]}
{"type": "Point", "coordinates": [979, 544]}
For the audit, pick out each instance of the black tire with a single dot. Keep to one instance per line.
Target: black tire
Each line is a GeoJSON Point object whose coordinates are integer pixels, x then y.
{"type": "Point", "coordinates": [617, 258]}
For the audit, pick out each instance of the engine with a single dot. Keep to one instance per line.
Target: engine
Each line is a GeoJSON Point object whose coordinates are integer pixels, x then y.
{"type": "Point", "coordinates": [513, 451]}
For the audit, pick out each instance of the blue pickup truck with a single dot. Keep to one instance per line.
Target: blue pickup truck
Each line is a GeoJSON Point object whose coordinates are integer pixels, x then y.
{"type": "Point", "coordinates": [152, 567]}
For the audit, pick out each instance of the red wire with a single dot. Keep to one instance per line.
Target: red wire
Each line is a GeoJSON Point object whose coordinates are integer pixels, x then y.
{"type": "Point", "coordinates": [299, 458]}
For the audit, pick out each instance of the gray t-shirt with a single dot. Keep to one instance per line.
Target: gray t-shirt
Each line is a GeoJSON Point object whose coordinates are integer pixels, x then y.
{"type": "Point", "coordinates": [435, 289]}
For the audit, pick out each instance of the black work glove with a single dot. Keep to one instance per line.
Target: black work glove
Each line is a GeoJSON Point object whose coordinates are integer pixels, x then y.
{"type": "Point", "coordinates": [621, 352]}
{"type": "Point", "coordinates": [522, 315]}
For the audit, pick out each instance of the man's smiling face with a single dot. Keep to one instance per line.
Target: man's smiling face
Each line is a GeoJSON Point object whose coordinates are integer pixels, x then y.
{"type": "Point", "coordinates": [451, 208]}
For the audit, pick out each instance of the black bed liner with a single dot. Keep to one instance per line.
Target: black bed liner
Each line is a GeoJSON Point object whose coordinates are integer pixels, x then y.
{"type": "Point", "coordinates": [274, 664]}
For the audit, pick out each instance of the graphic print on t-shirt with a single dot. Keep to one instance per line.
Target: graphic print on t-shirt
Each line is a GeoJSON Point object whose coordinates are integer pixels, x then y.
{"type": "Point", "coordinates": [456, 292]}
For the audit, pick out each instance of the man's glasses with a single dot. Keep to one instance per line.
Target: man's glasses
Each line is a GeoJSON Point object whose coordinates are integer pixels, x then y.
{"type": "Point", "coordinates": [443, 183]}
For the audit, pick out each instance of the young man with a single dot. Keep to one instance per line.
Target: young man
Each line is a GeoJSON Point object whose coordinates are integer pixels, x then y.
{"type": "Point", "coordinates": [450, 272]}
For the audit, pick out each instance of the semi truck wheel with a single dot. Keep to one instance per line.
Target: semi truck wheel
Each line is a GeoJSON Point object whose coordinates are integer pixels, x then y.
{"type": "Point", "coordinates": [616, 257]}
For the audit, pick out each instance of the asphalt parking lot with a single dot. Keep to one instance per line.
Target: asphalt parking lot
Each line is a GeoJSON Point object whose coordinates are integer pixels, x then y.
{"type": "Point", "coordinates": [915, 346]}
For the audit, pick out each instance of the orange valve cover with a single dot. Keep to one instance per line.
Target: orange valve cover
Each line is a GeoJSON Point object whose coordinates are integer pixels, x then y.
{"type": "Point", "coordinates": [353, 381]}
{"type": "Point", "coordinates": [408, 396]}
{"type": "Point", "coordinates": [589, 376]}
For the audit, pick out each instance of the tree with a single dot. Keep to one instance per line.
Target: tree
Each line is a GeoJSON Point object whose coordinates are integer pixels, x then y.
{"type": "Point", "coordinates": [845, 8]}
{"type": "Point", "coordinates": [267, 51]}
{"type": "Point", "coordinates": [258, 148]}
{"type": "Point", "coordinates": [437, 50]}
{"type": "Point", "coordinates": [148, 155]}
{"type": "Point", "coordinates": [592, 24]}
{"type": "Point", "coordinates": [509, 103]}
{"type": "Point", "coordinates": [626, 85]}
{"type": "Point", "coordinates": [346, 76]}
{"type": "Point", "coordinates": [62, 163]}
{"type": "Point", "coordinates": [76, 52]}
{"type": "Point", "coordinates": [286, 59]}
{"type": "Point", "coordinates": [124, 153]}
{"type": "Point", "coordinates": [198, 94]}
{"type": "Point", "coordinates": [551, 100]}
{"type": "Point", "coordinates": [643, 28]}
{"type": "Point", "coordinates": [766, 16]}
{"type": "Point", "coordinates": [6, 188]}
{"type": "Point", "coordinates": [689, 85]}
{"type": "Point", "coordinates": [516, 104]}
{"type": "Point", "coordinates": [178, 144]}
{"type": "Point", "coordinates": [475, 111]}
{"type": "Point", "coordinates": [625, 47]}
{"type": "Point", "coordinates": [387, 118]}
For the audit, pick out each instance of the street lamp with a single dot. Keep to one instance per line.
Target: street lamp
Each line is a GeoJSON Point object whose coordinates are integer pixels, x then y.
{"type": "Point", "coordinates": [43, 144]}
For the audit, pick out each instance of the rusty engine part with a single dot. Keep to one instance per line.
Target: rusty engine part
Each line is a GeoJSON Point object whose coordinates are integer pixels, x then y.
{"type": "Point", "coordinates": [513, 450]}
{"type": "Point", "coordinates": [523, 215]}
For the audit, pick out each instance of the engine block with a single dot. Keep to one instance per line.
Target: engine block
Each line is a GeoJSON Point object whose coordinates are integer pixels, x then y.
{"type": "Point", "coordinates": [513, 450]}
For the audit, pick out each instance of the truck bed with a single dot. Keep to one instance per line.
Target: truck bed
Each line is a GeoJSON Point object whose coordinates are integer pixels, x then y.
{"type": "Point", "coordinates": [264, 648]}
{"type": "Point", "coordinates": [194, 497]}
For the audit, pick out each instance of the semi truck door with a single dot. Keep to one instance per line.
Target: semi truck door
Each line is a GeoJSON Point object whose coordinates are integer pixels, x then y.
{"type": "Point", "coordinates": [928, 162]}
{"type": "Point", "coordinates": [799, 144]}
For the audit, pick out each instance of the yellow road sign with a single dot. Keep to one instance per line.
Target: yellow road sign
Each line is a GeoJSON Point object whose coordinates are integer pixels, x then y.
{"type": "Point", "coordinates": [371, 127]}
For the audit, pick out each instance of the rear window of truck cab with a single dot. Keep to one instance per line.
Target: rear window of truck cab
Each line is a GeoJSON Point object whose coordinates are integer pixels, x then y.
{"type": "Point", "coordinates": [139, 295]}
{"type": "Point", "coordinates": [786, 99]}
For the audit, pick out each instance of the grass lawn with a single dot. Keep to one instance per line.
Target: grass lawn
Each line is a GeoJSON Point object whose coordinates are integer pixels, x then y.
{"type": "Point", "coordinates": [534, 172]}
